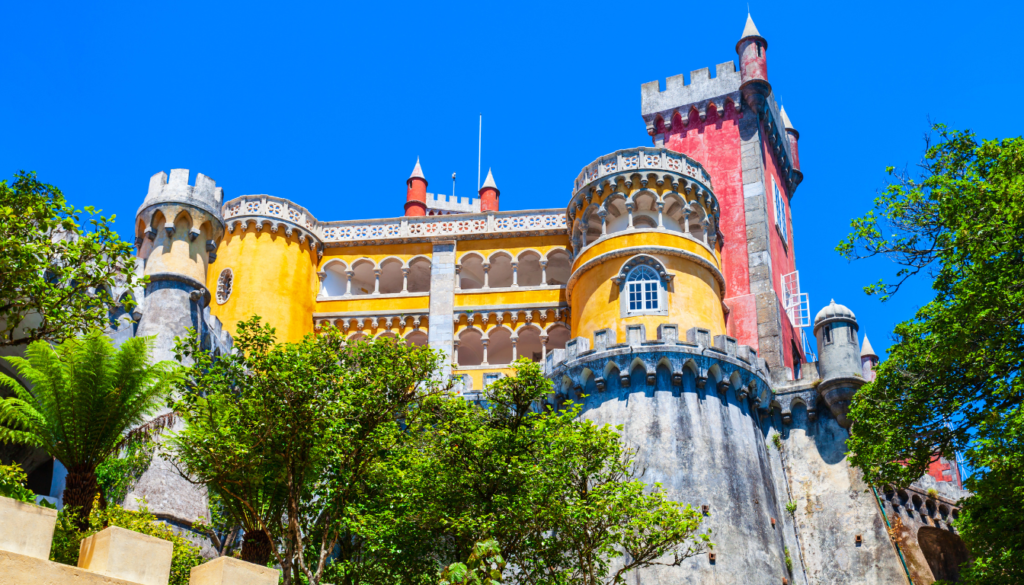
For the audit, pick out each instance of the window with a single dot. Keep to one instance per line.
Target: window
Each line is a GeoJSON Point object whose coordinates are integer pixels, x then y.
{"type": "Point", "coordinates": [643, 286]}
{"type": "Point", "coordinates": [851, 335]}
{"type": "Point", "coordinates": [826, 333]}
{"type": "Point", "coordinates": [780, 212]}
{"type": "Point", "coordinates": [224, 284]}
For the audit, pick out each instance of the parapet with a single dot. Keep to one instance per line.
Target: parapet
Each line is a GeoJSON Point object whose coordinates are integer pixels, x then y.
{"type": "Point", "coordinates": [702, 90]}
{"type": "Point", "coordinates": [205, 194]}
{"type": "Point", "coordinates": [451, 204]}
{"type": "Point", "coordinates": [729, 364]}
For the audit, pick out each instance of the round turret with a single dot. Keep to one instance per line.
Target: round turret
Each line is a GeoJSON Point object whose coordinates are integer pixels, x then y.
{"type": "Point", "coordinates": [489, 194]}
{"type": "Point", "coordinates": [835, 328]}
{"type": "Point", "coordinates": [416, 192]}
{"type": "Point", "coordinates": [752, 49]}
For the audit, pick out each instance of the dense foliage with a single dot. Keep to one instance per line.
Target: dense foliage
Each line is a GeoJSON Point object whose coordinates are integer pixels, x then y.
{"type": "Point", "coordinates": [85, 397]}
{"type": "Point", "coordinates": [288, 434]}
{"type": "Point", "coordinates": [13, 482]}
{"type": "Point", "coordinates": [952, 380]}
{"type": "Point", "coordinates": [356, 466]}
{"type": "Point", "coordinates": [562, 496]}
{"type": "Point", "coordinates": [68, 535]}
{"type": "Point", "coordinates": [58, 276]}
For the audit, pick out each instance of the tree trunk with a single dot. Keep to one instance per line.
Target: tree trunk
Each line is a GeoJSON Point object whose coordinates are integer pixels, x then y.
{"type": "Point", "coordinates": [256, 547]}
{"type": "Point", "coordinates": [80, 491]}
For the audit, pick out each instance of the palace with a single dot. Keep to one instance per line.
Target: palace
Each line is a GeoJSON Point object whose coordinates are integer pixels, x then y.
{"type": "Point", "coordinates": [663, 295]}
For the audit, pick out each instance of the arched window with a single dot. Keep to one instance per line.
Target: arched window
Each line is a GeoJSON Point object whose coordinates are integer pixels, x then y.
{"type": "Point", "coordinates": [643, 287]}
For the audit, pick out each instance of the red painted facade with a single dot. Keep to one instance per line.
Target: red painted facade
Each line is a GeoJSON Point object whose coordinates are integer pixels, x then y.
{"type": "Point", "coordinates": [488, 199]}
{"type": "Point", "coordinates": [416, 197]}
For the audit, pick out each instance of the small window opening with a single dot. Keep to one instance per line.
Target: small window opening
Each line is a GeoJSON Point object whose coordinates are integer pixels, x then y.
{"type": "Point", "coordinates": [826, 333]}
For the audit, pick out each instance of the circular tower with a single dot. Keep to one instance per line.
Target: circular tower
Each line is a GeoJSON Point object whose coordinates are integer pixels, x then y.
{"type": "Point", "coordinates": [267, 265]}
{"type": "Point", "coordinates": [177, 231]}
{"type": "Point", "coordinates": [650, 353]}
{"type": "Point", "coordinates": [839, 363]}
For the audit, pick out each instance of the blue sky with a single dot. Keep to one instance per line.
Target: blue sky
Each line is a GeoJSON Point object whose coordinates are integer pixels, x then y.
{"type": "Point", "coordinates": [329, 105]}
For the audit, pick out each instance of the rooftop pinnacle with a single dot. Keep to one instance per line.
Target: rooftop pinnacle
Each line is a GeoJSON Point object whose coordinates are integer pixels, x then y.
{"type": "Point", "coordinates": [417, 172]}
{"type": "Point", "coordinates": [750, 30]}
{"type": "Point", "coordinates": [489, 181]}
{"type": "Point", "coordinates": [867, 349]}
{"type": "Point", "coordinates": [785, 120]}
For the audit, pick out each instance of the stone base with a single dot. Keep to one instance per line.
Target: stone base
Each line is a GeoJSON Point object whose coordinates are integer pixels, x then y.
{"type": "Point", "coordinates": [231, 571]}
{"type": "Point", "coordinates": [31, 529]}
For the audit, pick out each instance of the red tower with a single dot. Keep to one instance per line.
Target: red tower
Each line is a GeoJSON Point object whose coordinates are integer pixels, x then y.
{"type": "Point", "coordinates": [489, 194]}
{"type": "Point", "coordinates": [732, 125]}
{"type": "Point", "coordinates": [416, 192]}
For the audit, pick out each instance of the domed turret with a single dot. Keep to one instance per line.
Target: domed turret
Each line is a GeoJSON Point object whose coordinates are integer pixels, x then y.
{"type": "Point", "coordinates": [835, 328]}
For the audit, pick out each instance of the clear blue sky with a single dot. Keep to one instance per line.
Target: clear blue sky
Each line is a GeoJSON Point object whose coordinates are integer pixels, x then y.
{"type": "Point", "coordinates": [329, 105]}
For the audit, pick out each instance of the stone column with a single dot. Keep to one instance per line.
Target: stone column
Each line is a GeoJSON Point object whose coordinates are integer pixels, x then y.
{"type": "Point", "coordinates": [376, 281]}
{"type": "Point", "coordinates": [486, 268]}
{"type": "Point", "coordinates": [543, 272]}
{"type": "Point", "coordinates": [515, 274]}
{"type": "Point", "coordinates": [515, 349]}
{"type": "Point", "coordinates": [441, 333]}
{"type": "Point", "coordinates": [661, 209]}
{"type": "Point", "coordinates": [405, 280]}
{"type": "Point", "coordinates": [348, 282]}
{"type": "Point", "coordinates": [483, 342]}
{"type": "Point", "coordinates": [603, 214]}
{"type": "Point", "coordinates": [629, 212]}
{"type": "Point", "coordinates": [544, 347]}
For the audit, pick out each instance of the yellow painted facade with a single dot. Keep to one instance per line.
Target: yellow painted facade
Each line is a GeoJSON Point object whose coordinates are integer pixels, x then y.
{"type": "Point", "coordinates": [274, 276]}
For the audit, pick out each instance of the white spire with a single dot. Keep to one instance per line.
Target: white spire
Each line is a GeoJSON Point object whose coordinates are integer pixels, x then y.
{"type": "Point", "coordinates": [785, 120]}
{"type": "Point", "coordinates": [489, 181]}
{"type": "Point", "coordinates": [750, 30]}
{"type": "Point", "coordinates": [866, 349]}
{"type": "Point", "coordinates": [417, 172]}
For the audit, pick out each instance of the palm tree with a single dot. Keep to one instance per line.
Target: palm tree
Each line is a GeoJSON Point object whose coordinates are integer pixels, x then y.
{"type": "Point", "coordinates": [85, 396]}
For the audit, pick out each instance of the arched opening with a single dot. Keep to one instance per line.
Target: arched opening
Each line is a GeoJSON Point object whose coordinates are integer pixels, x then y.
{"type": "Point", "coordinates": [388, 334]}
{"type": "Point", "coordinates": [674, 213]}
{"type": "Point", "coordinates": [529, 269]}
{"type": "Point", "coordinates": [363, 278]}
{"type": "Point", "coordinates": [645, 211]}
{"type": "Point", "coordinates": [391, 276]}
{"type": "Point", "coordinates": [471, 272]}
{"type": "Point", "coordinates": [944, 551]}
{"type": "Point", "coordinates": [335, 279]}
{"type": "Point", "coordinates": [471, 348]}
{"type": "Point", "coordinates": [558, 335]}
{"type": "Point", "coordinates": [499, 275]}
{"type": "Point", "coordinates": [417, 338]}
{"type": "Point", "coordinates": [590, 226]}
{"type": "Point", "coordinates": [558, 267]}
{"type": "Point", "coordinates": [529, 345]}
{"type": "Point", "coordinates": [499, 346]}
{"type": "Point", "coordinates": [617, 219]}
{"type": "Point", "coordinates": [697, 217]}
{"type": "Point", "coordinates": [419, 275]}
{"type": "Point", "coordinates": [357, 336]}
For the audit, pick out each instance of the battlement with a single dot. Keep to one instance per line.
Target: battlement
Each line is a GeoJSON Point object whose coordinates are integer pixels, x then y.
{"type": "Point", "coordinates": [702, 88]}
{"type": "Point", "coordinates": [452, 204]}
{"type": "Point", "coordinates": [718, 358]}
{"type": "Point", "coordinates": [205, 194]}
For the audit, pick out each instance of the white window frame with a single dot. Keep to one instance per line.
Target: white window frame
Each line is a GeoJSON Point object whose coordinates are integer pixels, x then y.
{"type": "Point", "coordinates": [648, 291]}
{"type": "Point", "coordinates": [780, 212]}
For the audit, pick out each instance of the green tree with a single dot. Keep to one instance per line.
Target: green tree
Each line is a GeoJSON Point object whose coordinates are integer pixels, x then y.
{"type": "Point", "coordinates": [952, 380]}
{"type": "Point", "coordinates": [561, 496]}
{"type": "Point", "coordinates": [483, 567]}
{"type": "Point", "coordinates": [57, 275]}
{"type": "Point", "coordinates": [287, 435]}
{"type": "Point", "coordinates": [85, 396]}
{"type": "Point", "coordinates": [13, 484]}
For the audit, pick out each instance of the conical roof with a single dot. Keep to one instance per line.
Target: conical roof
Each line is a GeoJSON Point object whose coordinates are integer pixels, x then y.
{"type": "Point", "coordinates": [417, 172]}
{"type": "Point", "coordinates": [866, 349]}
{"type": "Point", "coordinates": [785, 120]}
{"type": "Point", "coordinates": [489, 182]}
{"type": "Point", "coordinates": [749, 30]}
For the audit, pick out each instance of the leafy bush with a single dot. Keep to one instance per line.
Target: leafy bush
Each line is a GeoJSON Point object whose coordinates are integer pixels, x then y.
{"type": "Point", "coordinates": [933, 494]}
{"type": "Point", "coordinates": [791, 507]}
{"type": "Point", "coordinates": [789, 560]}
{"type": "Point", "coordinates": [67, 538]}
{"type": "Point", "coordinates": [12, 483]}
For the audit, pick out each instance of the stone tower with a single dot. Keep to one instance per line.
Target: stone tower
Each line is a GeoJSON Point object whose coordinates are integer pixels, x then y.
{"type": "Point", "coordinates": [178, 228]}
{"type": "Point", "coordinates": [839, 365]}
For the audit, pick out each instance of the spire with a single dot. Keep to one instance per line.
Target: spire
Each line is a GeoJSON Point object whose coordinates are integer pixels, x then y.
{"type": "Point", "coordinates": [750, 30]}
{"type": "Point", "coordinates": [867, 350]}
{"type": "Point", "coordinates": [489, 182]}
{"type": "Point", "coordinates": [417, 172]}
{"type": "Point", "coordinates": [785, 120]}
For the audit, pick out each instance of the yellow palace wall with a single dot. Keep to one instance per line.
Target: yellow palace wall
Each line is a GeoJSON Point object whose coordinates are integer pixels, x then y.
{"type": "Point", "coordinates": [274, 276]}
{"type": "Point", "coordinates": [694, 295]}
